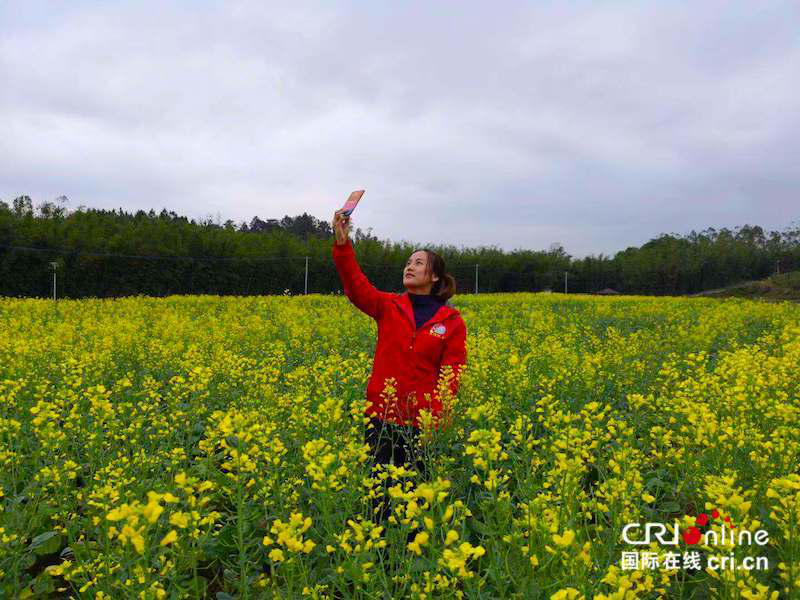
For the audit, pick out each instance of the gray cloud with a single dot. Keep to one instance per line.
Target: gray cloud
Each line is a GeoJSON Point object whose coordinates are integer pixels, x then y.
{"type": "Point", "coordinates": [598, 126]}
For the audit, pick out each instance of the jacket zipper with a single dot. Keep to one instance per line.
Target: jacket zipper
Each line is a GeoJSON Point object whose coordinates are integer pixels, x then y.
{"type": "Point", "coordinates": [414, 333]}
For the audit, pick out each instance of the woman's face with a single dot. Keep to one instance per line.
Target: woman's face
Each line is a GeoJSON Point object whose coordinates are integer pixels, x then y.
{"type": "Point", "coordinates": [417, 277]}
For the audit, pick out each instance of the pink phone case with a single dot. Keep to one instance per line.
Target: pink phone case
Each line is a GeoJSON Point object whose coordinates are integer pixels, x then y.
{"type": "Point", "coordinates": [351, 203]}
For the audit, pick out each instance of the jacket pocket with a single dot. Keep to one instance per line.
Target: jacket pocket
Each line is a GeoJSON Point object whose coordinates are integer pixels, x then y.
{"type": "Point", "coordinates": [430, 346]}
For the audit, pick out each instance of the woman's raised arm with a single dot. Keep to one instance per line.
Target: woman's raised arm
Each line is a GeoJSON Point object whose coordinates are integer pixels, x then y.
{"type": "Point", "coordinates": [356, 286]}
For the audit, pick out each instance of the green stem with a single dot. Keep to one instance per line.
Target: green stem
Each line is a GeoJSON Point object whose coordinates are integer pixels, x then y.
{"type": "Point", "coordinates": [243, 587]}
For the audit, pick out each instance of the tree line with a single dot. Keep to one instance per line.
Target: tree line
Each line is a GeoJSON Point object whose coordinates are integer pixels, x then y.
{"type": "Point", "coordinates": [107, 253]}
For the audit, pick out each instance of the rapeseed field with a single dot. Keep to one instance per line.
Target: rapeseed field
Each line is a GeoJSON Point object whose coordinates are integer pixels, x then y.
{"type": "Point", "coordinates": [213, 447]}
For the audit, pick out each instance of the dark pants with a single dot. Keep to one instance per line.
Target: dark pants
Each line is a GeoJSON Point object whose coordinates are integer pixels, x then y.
{"type": "Point", "coordinates": [390, 443]}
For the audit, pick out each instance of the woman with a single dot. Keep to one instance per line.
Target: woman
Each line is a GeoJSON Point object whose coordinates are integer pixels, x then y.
{"type": "Point", "coordinates": [419, 334]}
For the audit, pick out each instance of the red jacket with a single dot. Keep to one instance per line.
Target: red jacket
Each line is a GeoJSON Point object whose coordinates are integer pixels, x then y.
{"type": "Point", "coordinates": [414, 357]}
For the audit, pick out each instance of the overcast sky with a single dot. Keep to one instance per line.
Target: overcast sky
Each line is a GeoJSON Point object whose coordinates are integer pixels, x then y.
{"type": "Point", "coordinates": [598, 125]}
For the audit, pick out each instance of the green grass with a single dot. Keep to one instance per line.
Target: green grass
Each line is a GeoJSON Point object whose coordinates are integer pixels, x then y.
{"type": "Point", "coordinates": [785, 286]}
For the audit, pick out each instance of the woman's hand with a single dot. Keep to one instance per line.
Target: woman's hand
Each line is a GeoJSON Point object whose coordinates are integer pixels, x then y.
{"type": "Point", "coordinates": [341, 227]}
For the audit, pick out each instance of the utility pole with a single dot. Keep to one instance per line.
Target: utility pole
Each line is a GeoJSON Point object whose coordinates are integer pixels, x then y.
{"type": "Point", "coordinates": [54, 265]}
{"type": "Point", "coordinates": [476, 278]}
{"type": "Point", "coordinates": [306, 284]}
{"type": "Point", "coordinates": [565, 282]}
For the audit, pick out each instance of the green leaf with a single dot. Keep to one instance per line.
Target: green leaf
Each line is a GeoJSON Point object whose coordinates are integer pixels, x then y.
{"type": "Point", "coordinates": [45, 543]}
{"type": "Point", "coordinates": [230, 575]}
{"type": "Point", "coordinates": [43, 585]}
{"type": "Point", "coordinates": [419, 565]}
{"type": "Point", "coordinates": [669, 507]}
{"type": "Point", "coordinates": [653, 483]}
{"type": "Point", "coordinates": [479, 527]}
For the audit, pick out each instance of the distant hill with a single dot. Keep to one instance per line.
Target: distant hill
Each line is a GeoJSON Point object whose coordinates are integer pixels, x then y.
{"type": "Point", "coordinates": [785, 286]}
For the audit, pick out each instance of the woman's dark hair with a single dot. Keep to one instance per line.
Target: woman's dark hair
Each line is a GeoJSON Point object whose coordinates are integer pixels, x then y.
{"type": "Point", "coordinates": [445, 287]}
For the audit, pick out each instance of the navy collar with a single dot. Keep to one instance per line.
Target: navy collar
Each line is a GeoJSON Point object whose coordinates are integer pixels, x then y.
{"type": "Point", "coordinates": [403, 300]}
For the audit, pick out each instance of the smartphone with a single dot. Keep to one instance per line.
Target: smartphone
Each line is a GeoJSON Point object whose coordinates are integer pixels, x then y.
{"type": "Point", "coordinates": [351, 203]}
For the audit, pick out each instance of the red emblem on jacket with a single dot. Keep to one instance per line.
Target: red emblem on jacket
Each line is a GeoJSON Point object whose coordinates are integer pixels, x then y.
{"type": "Point", "coordinates": [438, 330]}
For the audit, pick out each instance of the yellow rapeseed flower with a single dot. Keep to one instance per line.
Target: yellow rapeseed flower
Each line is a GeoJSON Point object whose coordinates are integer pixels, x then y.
{"type": "Point", "coordinates": [169, 538]}
{"type": "Point", "coordinates": [566, 539]}
{"type": "Point", "coordinates": [276, 555]}
{"type": "Point", "coordinates": [179, 519]}
{"type": "Point", "coordinates": [420, 540]}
